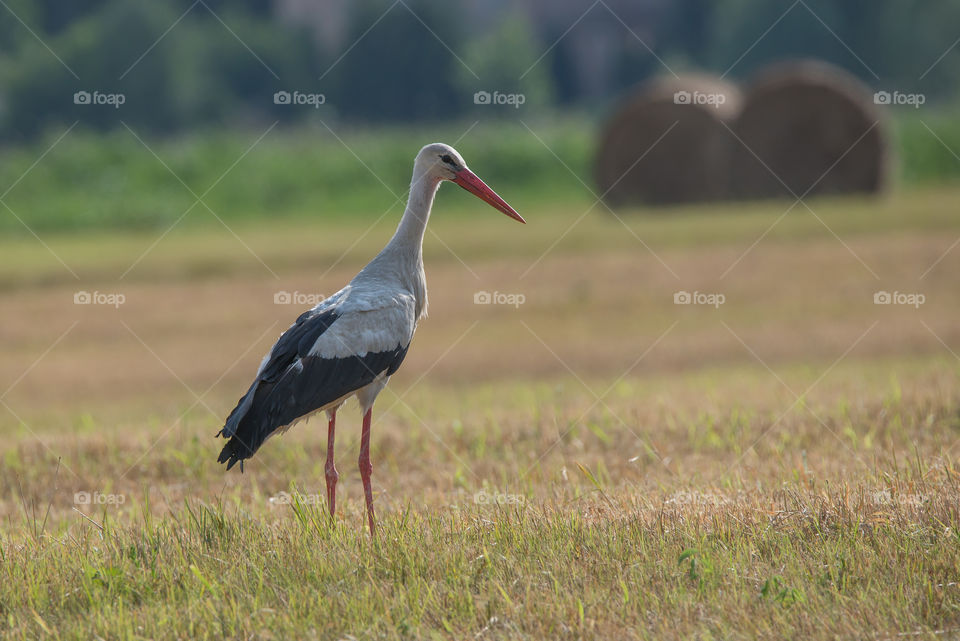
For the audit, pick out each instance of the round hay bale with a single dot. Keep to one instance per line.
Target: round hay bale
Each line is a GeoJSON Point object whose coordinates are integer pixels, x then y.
{"type": "Point", "coordinates": [690, 161]}
{"type": "Point", "coordinates": [815, 128]}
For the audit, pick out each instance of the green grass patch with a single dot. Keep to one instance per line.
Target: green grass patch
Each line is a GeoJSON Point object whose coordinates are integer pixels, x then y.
{"type": "Point", "coordinates": [91, 181]}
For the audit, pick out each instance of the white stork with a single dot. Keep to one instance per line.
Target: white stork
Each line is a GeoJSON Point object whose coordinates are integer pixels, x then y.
{"type": "Point", "coordinates": [352, 342]}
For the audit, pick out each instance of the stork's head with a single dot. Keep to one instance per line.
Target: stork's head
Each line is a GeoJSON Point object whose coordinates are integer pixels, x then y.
{"type": "Point", "coordinates": [438, 161]}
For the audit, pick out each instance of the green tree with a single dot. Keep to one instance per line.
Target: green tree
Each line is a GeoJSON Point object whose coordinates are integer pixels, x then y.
{"type": "Point", "coordinates": [897, 40]}
{"type": "Point", "coordinates": [400, 67]}
{"type": "Point", "coordinates": [198, 73]}
{"type": "Point", "coordinates": [506, 60]}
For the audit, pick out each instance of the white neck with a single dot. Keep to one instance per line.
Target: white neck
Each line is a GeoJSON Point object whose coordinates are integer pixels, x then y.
{"type": "Point", "coordinates": [402, 258]}
{"type": "Point", "coordinates": [408, 238]}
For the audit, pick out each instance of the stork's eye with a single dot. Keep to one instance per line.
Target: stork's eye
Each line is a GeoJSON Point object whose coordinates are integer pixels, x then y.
{"type": "Point", "coordinates": [447, 159]}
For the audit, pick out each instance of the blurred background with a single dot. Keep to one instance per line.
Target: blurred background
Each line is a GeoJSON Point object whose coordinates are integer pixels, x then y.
{"type": "Point", "coordinates": [192, 76]}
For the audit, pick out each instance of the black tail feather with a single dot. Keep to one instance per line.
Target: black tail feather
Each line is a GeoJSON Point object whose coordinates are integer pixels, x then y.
{"type": "Point", "coordinates": [235, 451]}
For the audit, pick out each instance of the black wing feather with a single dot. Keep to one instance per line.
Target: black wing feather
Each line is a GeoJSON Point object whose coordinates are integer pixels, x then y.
{"type": "Point", "coordinates": [293, 384]}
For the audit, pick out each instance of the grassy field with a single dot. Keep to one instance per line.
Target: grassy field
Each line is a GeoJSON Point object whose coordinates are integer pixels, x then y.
{"type": "Point", "coordinates": [128, 180]}
{"type": "Point", "coordinates": [597, 462]}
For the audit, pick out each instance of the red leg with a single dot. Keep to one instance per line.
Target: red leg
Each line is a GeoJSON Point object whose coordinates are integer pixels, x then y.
{"type": "Point", "coordinates": [331, 469]}
{"type": "Point", "coordinates": [366, 468]}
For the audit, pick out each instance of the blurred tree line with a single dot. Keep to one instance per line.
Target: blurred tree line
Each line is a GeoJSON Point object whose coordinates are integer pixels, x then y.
{"type": "Point", "coordinates": [183, 64]}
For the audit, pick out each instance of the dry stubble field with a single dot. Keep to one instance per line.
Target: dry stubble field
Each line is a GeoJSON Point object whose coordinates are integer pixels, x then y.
{"type": "Point", "coordinates": [597, 462]}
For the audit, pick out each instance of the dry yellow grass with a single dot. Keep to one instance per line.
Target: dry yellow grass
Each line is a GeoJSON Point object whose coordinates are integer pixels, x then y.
{"type": "Point", "coordinates": [598, 462]}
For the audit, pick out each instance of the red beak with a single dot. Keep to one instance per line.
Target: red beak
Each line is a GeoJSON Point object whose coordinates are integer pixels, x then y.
{"type": "Point", "coordinates": [469, 181]}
